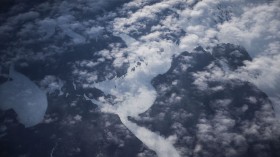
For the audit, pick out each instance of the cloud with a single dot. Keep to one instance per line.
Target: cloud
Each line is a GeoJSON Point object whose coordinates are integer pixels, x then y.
{"type": "Point", "coordinates": [206, 23]}
{"type": "Point", "coordinates": [160, 29]}
{"type": "Point", "coordinates": [47, 27]}
{"type": "Point", "coordinates": [65, 22]}
{"type": "Point", "coordinates": [24, 17]}
{"type": "Point", "coordinates": [48, 24]}
{"type": "Point", "coordinates": [264, 72]}
{"type": "Point", "coordinates": [95, 32]}
{"type": "Point", "coordinates": [51, 84]}
{"type": "Point", "coordinates": [256, 29]}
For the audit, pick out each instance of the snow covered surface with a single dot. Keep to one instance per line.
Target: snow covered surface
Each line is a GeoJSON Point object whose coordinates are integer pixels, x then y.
{"type": "Point", "coordinates": [25, 98]}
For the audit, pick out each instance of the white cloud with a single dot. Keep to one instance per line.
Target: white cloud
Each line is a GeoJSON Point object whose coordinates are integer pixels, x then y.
{"type": "Point", "coordinates": [264, 72]}
{"type": "Point", "coordinates": [255, 29]}
{"type": "Point", "coordinates": [52, 84]}
{"type": "Point", "coordinates": [189, 42]}
{"type": "Point", "coordinates": [95, 32]}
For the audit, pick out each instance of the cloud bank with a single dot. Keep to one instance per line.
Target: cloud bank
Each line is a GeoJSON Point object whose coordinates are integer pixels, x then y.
{"type": "Point", "coordinates": [149, 33]}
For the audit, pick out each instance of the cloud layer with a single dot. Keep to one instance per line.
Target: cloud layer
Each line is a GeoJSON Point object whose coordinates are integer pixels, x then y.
{"type": "Point", "coordinates": [126, 47]}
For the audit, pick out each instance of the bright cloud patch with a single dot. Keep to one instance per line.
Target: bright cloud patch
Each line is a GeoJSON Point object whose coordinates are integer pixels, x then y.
{"type": "Point", "coordinates": [257, 29]}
